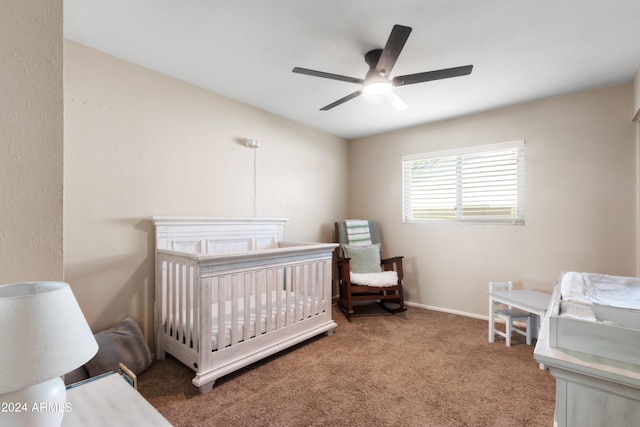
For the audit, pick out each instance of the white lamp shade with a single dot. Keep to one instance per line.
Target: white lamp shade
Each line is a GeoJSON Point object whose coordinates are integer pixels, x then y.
{"type": "Point", "coordinates": [45, 335]}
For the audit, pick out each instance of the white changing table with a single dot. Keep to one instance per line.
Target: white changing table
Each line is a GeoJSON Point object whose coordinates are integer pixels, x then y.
{"type": "Point", "coordinates": [591, 391]}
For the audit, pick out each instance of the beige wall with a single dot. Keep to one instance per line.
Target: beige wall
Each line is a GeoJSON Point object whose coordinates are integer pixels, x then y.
{"type": "Point", "coordinates": [139, 144]}
{"type": "Point", "coordinates": [31, 143]}
{"type": "Point", "coordinates": [131, 134]}
{"type": "Point", "coordinates": [636, 95]}
{"type": "Point", "coordinates": [636, 118]}
{"type": "Point", "coordinates": [580, 199]}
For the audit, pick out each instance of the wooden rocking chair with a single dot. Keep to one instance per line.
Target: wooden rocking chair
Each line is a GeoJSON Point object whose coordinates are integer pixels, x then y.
{"type": "Point", "coordinates": [362, 273]}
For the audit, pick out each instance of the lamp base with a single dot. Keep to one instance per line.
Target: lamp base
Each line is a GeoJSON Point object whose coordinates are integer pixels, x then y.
{"type": "Point", "coordinates": [40, 405]}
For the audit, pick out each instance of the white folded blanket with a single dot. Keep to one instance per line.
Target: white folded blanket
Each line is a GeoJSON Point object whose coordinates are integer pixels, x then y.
{"type": "Point", "coordinates": [601, 289]}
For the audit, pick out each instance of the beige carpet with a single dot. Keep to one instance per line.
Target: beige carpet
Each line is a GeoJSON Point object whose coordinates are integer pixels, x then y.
{"type": "Point", "coordinates": [427, 369]}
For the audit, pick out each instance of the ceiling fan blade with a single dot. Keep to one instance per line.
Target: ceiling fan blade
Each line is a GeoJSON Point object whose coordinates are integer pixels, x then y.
{"type": "Point", "coordinates": [395, 43]}
{"type": "Point", "coordinates": [395, 101]}
{"type": "Point", "coordinates": [341, 100]}
{"type": "Point", "coordinates": [327, 75]}
{"type": "Point", "coordinates": [446, 73]}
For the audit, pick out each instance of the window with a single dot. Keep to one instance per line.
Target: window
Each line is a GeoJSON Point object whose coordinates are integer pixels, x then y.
{"type": "Point", "coordinates": [479, 185]}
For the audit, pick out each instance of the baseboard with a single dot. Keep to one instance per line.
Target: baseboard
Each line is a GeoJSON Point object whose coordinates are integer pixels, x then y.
{"type": "Point", "coordinates": [434, 308]}
{"type": "Point", "coordinates": [459, 313]}
{"type": "Point", "coordinates": [447, 310]}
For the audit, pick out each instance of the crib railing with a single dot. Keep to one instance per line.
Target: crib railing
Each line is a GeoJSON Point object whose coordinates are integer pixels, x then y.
{"type": "Point", "coordinates": [209, 304]}
{"type": "Point", "coordinates": [179, 303]}
{"type": "Point", "coordinates": [259, 301]}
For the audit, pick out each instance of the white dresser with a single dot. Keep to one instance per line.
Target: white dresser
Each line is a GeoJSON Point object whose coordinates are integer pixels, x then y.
{"type": "Point", "coordinates": [591, 391]}
{"type": "Point", "coordinates": [109, 401]}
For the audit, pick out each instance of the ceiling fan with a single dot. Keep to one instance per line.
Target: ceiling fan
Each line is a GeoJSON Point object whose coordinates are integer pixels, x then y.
{"type": "Point", "coordinates": [381, 62]}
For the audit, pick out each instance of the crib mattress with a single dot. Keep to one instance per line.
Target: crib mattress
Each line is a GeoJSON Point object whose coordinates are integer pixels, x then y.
{"type": "Point", "coordinates": [286, 313]}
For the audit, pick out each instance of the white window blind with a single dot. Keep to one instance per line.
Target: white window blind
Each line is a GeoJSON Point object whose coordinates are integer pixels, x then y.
{"type": "Point", "coordinates": [480, 184]}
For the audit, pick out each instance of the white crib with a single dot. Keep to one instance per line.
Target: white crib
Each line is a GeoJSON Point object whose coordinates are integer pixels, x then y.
{"type": "Point", "coordinates": [230, 292]}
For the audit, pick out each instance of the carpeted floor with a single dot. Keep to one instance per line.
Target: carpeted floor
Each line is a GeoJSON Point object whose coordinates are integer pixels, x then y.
{"type": "Point", "coordinates": [426, 369]}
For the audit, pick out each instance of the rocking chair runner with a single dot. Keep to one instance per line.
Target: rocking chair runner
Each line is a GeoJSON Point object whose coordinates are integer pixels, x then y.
{"type": "Point", "coordinates": [362, 273]}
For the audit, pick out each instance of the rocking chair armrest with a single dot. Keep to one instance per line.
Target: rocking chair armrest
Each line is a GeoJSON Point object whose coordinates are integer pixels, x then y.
{"type": "Point", "coordinates": [392, 260]}
{"type": "Point", "coordinates": [393, 263]}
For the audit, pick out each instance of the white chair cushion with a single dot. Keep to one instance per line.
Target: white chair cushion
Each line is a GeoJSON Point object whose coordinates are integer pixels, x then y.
{"type": "Point", "coordinates": [382, 279]}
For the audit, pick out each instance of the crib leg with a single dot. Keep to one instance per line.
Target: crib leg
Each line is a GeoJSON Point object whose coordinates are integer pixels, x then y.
{"type": "Point", "coordinates": [160, 354]}
{"type": "Point", "coordinates": [206, 388]}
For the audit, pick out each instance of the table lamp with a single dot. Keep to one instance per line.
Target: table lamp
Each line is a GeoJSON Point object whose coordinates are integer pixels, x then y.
{"type": "Point", "coordinates": [44, 336]}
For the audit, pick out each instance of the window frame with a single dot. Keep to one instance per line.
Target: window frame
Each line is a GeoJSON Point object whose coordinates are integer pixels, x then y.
{"type": "Point", "coordinates": [463, 157]}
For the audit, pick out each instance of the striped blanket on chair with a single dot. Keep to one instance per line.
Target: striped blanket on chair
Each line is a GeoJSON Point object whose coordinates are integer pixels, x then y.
{"type": "Point", "coordinates": [358, 232]}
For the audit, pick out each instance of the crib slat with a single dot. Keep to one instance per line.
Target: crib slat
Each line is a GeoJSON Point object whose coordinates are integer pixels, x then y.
{"type": "Point", "coordinates": [169, 298]}
{"type": "Point", "coordinates": [309, 290]}
{"type": "Point", "coordinates": [318, 284]}
{"type": "Point", "coordinates": [197, 308]}
{"type": "Point", "coordinates": [271, 279]}
{"type": "Point", "coordinates": [261, 302]}
{"type": "Point", "coordinates": [295, 287]}
{"type": "Point", "coordinates": [191, 324]}
{"type": "Point", "coordinates": [315, 284]}
{"type": "Point", "coordinates": [221, 311]}
{"type": "Point", "coordinates": [256, 299]}
{"type": "Point", "coordinates": [235, 285]}
{"type": "Point", "coordinates": [176, 301]}
{"type": "Point", "coordinates": [279, 287]}
{"type": "Point", "coordinates": [289, 300]}
{"type": "Point", "coordinates": [182, 306]}
{"type": "Point", "coordinates": [203, 317]}
{"type": "Point", "coordinates": [188, 324]}
{"type": "Point", "coordinates": [285, 302]}
{"type": "Point", "coordinates": [249, 281]}
{"type": "Point", "coordinates": [326, 289]}
{"type": "Point", "coordinates": [324, 275]}
{"type": "Point", "coordinates": [172, 286]}
{"type": "Point", "coordinates": [164, 301]}
{"type": "Point", "coordinates": [304, 298]}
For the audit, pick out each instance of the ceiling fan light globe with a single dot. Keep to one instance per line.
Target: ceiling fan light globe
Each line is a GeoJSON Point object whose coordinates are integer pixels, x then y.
{"type": "Point", "coordinates": [377, 88]}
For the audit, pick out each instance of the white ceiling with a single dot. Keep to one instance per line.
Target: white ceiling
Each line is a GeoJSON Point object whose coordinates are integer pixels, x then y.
{"type": "Point", "coordinates": [245, 49]}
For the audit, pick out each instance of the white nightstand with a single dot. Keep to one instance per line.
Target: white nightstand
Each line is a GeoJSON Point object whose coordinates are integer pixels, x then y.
{"type": "Point", "coordinates": [109, 401]}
